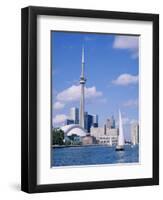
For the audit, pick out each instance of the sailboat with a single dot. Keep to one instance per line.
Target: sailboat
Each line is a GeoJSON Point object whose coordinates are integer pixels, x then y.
{"type": "Point", "coordinates": [120, 144]}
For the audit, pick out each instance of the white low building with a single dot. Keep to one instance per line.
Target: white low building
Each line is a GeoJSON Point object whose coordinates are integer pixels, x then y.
{"type": "Point", "coordinates": [105, 135]}
{"type": "Point", "coordinates": [74, 129]}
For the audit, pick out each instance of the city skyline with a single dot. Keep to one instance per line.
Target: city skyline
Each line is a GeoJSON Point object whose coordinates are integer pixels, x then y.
{"type": "Point", "coordinates": [89, 119]}
{"type": "Point", "coordinates": [112, 83]}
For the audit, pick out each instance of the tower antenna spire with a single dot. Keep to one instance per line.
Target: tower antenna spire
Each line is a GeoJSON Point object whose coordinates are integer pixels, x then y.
{"type": "Point", "coordinates": [82, 71]}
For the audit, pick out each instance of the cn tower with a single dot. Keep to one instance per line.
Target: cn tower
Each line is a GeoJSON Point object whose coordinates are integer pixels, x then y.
{"type": "Point", "coordinates": [82, 85]}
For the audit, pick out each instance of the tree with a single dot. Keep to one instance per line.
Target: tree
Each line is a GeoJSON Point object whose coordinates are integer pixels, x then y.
{"type": "Point", "coordinates": [57, 136]}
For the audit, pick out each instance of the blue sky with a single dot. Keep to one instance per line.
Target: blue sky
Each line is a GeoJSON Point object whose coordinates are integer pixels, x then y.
{"type": "Point", "coordinates": [111, 70]}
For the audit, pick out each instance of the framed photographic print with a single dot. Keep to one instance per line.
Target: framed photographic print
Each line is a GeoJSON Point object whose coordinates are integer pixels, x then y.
{"type": "Point", "coordinates": [90, 99]}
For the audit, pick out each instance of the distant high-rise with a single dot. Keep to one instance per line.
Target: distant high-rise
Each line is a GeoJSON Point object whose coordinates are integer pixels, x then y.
{"type": "Point", "coordinates": [113, 121]}
{"type": "Point", "coordinates": [86, 120]}
{"type": "Point", "coordinates": [95, 121]}
{"type": "Point", "coordinates": [74, 115]}
{"type": "Point", "coordinates": [89, 122]}
{"type": "Point", "coordinates": [134, 133]}
{"type": "Point", "coordinates": [69, 121]}
{"type": "Point", "coordinates": [110, 122]}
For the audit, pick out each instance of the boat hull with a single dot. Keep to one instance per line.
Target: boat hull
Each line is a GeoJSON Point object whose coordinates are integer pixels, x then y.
{"type": "Point", "coordinates": [119, 148]}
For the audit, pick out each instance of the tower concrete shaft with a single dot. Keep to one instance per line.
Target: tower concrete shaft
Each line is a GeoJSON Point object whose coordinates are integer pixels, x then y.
{"type": "Point", "coordinates": [82, 98]}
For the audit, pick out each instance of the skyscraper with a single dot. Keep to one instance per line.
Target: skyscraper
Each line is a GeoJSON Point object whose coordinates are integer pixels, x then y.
{"type": "Point", "coordinates": [134, 133]}
{"type": "Point", "coordinates": [113, 122]}
{"type": "Point", "coordinates": [86, 120]}
{"type": "Point", "coordinates": [74, 115]}
{"type": "Point", "coordinates": [95, 121]}
{"type": "Point", "coordinates": [89, 122]}
{"type": "Point", "coordinates": [110, 122]}
{"type": "Point", "coordinates": [82, 85]}
{"type": "Point", "coordinates": [69, 121]}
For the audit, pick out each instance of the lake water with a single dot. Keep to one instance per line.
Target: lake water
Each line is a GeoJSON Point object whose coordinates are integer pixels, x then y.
{"type": "Point", "coordinates": [92, 155]}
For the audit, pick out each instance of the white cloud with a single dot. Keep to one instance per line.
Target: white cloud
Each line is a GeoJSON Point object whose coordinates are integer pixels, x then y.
{"type": "Point", "coordinates": [58, 119]}
{"type": "Point", "coordinates": [96, 101]}
{"type": "Point", "coordinates": [131, 103]}
{"type": "Point", "coordinates": [130, 43]}
{"type": "Point", "coordinates": [73, 93]}
{"type": "Point", "coordinates": [58, 105]}
{"type": "Point", "coordinates": [126, 42]}
{"type": "Point", "coordinates": [125, 79]}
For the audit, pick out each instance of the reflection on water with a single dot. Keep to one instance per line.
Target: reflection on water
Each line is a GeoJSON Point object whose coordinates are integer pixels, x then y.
{"type": "Point", "coordinates": [92, 155]}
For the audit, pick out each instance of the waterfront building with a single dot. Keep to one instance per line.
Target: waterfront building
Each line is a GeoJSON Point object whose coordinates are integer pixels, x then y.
{"type": "Point", "coordinates": [105, 135]}
{"type": "Point", "coordinates": [135, 133]}
{"type": "Point", "coordinates": [72, 140]}
{"type": "Point", "coordinates": [88, 140]}
{"type": "Point", "coordinates": [73, 129]}
{"type": "Point", "coordinates": [74, 115]}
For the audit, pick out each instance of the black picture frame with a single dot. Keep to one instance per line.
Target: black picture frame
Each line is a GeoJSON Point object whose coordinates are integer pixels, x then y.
{"type": "Point", "coordinates": [29, 99]}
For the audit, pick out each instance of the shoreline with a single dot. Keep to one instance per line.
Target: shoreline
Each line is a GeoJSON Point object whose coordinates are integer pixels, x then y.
{"type": "Point", "coordinates": [87, 145]}
{"type": "Point", "coordinates": [64, 146]}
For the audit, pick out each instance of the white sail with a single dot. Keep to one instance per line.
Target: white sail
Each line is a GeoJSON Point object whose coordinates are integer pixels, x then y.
{"type": "Point", "coordinates": [110, 141]}
{"type": "Point", "coordinates": [121, 136]}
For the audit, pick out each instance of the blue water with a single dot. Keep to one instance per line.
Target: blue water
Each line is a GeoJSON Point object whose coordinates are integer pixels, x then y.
{"type": "Point", "coordinates": [92, 155]}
